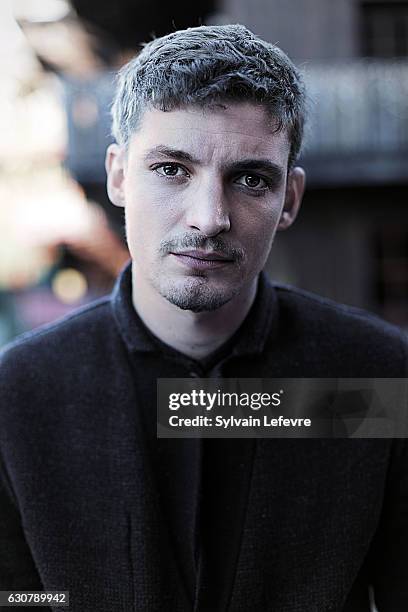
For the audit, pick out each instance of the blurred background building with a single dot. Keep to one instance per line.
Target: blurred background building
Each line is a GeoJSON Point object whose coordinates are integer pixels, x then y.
{"type": "Point", "coordinates": [61, 241]}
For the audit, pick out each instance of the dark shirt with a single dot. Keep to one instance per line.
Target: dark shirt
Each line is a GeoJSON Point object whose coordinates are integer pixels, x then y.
{"type": "Point", "coordinates": [187, 471]}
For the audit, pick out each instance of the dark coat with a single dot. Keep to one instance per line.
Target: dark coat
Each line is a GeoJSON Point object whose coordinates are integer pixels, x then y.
{"type": "Point", "coordinates": [312, 523]}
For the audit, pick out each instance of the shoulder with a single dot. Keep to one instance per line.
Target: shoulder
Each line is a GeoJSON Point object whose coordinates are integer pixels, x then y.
{"type": "Point", "coordinates": [53, 343]}
{"type": "Point", "coordinates": [342, 334]}
{"type": "Point", "coordinates": [318, 307]}
{"type": "Point", "coordinates": [322, 311]}
{"type": "Point", "coordinates": [59, 385]}
{"type": "Point", "coordinates": [60, 372]}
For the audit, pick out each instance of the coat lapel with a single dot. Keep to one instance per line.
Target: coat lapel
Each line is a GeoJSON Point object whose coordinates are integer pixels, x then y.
{"type": "Point", "coordinates": [158, 584]}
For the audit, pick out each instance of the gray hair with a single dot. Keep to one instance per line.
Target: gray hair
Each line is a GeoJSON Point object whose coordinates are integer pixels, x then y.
{"type": "Point", "coordinates": [205, 66]}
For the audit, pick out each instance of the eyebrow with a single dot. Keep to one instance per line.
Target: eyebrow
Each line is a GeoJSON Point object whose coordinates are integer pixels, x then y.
{"type": "Point", "coordinates": [274, 171]}
{"type": "Point", "coordinates": [170, 153]}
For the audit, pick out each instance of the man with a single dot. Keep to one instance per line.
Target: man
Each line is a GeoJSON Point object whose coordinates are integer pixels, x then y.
{"type": "Point", "coordinates": [208, 125]}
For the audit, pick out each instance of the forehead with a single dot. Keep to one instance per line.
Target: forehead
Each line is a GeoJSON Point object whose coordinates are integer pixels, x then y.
{"type": "Point", "coordinates": [213, 134]}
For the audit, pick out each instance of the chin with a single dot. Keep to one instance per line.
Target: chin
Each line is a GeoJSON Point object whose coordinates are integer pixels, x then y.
{"type": "Point", "coordinates": [196, 294]}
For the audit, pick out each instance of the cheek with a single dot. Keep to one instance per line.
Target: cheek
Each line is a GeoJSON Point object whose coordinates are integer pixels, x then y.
{"type": "Point", "coordinates": [150, 218]}
{"type": "Point", "coordinates": [259, 247]}
{"type": "Point", "coordinates": [260, 230]}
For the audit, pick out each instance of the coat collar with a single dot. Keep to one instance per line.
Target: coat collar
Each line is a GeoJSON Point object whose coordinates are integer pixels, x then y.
{"type": "Point", "coordinates": [249, 339]}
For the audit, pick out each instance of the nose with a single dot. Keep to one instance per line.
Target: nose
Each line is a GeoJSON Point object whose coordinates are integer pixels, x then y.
{"type": "Point", "coordinates": [208, 210]}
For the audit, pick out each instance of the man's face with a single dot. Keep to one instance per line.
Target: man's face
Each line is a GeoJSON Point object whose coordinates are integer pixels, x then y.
{"type": "Point", "coordinates": [204, 193]}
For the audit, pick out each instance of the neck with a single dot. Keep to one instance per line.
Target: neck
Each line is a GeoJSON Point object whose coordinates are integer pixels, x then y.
{"type": "Point", "coordinates": [194, 334]}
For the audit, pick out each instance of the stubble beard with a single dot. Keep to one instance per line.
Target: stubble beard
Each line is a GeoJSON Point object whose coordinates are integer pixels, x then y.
{"type": "Point", "coordinates": [193, 293]}
{"type": "Point", "coordinates": [197, 292]}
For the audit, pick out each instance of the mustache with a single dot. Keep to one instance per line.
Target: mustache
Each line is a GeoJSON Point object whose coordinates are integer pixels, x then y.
{"type": "Point", "coordinates": [198, 241]}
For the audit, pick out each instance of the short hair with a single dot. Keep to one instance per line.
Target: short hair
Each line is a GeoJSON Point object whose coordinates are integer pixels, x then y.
{"type": "Point", "coordinates": [209, 65]}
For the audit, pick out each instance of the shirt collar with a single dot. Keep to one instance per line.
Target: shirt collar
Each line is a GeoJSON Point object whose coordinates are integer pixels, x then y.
{"type": "Point", "coordinates": [251, 337]}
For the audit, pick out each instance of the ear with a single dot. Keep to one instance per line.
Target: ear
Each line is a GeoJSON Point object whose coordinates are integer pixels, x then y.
{"type": "Point", "coordinates": [295, 188]}
{"type": "Point", "coordinates": [115, 170]}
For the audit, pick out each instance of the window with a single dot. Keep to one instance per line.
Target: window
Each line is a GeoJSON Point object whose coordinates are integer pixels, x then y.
{"type": "Point", "coordinates": [391, 273]}
{"type": "Point", "coordinates": [384, 29]}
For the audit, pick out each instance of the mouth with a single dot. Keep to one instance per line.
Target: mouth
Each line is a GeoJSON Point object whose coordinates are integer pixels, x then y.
{"type": "Point", "coordinates": [202, 260]}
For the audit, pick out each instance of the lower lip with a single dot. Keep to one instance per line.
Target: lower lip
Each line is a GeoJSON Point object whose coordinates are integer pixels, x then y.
{"type": "Point", "coordinates": [201, 264]}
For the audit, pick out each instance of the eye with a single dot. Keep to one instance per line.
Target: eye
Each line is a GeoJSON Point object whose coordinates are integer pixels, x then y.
{"type": "Point", "coordinates": [252, 181]}
{"type": "Point", "coordinates": [171, 170]}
